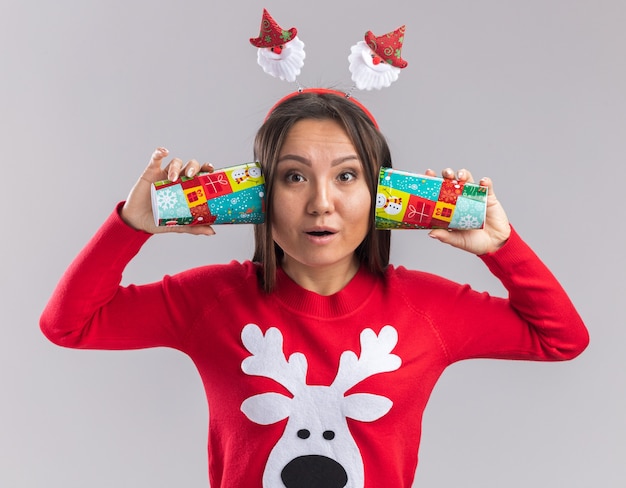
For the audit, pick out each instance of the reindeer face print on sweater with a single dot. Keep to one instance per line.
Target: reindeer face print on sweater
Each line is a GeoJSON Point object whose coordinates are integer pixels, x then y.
{"type": "Point", "coordinates": [316, 448]}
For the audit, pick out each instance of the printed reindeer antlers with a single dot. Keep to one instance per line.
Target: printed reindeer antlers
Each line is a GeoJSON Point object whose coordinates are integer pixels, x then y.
{"type": "Point", "coordinates": [375, 358]}
{"type": "Point", "coordinates": [268, 359]}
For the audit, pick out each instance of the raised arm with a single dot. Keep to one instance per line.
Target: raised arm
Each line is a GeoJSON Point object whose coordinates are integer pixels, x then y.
{"type": "Point", "coordinates": [536, 321]}
{"type": "Point", "coordinates": [90, 309]}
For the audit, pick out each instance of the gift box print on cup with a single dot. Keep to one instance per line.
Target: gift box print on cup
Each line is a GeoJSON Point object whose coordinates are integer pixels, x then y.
{"type": "Point", "coordinates": [233, 195]}
{"type": "Point", "coordinates": [411, 201]}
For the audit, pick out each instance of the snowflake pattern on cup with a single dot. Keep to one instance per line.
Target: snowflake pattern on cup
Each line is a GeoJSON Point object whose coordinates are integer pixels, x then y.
{"type": "Point", "coordinates": [172, 204]}
{"type": "Point", "coordinates": [469, 214]}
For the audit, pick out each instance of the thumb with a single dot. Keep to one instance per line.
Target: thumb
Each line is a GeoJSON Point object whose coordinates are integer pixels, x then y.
{"type": "Point", "coordinates": [441, 235]}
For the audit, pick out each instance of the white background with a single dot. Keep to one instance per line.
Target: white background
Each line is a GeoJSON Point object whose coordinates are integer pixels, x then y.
{"type": "Point", "coordinates": [531, 93]}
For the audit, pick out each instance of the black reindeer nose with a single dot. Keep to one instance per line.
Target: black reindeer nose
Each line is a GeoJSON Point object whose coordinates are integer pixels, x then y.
{"type": "Point", "coordinates": [314, 472]}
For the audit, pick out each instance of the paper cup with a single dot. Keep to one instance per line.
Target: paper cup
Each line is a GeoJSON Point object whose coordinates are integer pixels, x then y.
{"type": "Point", "coordinates": [412, 201]}
{"type": "Point", "coordinates": [232, 195]}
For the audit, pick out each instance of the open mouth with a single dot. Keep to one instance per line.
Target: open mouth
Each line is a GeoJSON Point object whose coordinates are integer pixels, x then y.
{"type": "Point", "coordinates": [320, 233]}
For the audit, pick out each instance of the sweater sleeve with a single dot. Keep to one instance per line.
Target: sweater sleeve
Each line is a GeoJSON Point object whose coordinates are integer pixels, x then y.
{"type": "Point", "coordinates": [537, 321]}
{"type": "Point", "coordinates": [90, 309]}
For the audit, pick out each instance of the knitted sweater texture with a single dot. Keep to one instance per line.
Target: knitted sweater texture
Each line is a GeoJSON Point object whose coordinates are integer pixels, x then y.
{"type": "Point", "coordinates": [308, 387]}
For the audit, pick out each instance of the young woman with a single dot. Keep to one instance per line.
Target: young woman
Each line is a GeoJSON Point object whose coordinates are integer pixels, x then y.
{"type": "Point", "coordinates": [317, 357]}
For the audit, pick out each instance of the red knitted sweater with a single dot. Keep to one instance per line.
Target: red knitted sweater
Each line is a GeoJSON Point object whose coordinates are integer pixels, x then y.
{"type": "Point", "coordinates": [326, 389]}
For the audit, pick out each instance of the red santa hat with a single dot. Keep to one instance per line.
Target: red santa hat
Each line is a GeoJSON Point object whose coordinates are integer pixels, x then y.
{"type": "Point", "coordinates": [271, 34]}
{"type": "Point", "coordinates": [388, 46]}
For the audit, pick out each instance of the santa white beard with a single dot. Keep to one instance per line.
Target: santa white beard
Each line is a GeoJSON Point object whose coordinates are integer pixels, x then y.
{"type": "Point", "coordinates": [367, 75]}
{"type": "Point", "coordinates": [287, 64]}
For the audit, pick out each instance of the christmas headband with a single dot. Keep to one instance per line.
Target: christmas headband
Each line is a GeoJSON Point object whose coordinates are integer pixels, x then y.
{"type": "Point", "coordinates": [375, 62]}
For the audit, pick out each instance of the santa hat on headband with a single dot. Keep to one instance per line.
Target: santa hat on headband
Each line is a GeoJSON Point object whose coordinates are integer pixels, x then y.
{"type": "Point", "coordinates": [375, 62]}
{"type": "Point", "coordinates": [271, 34]}
{"type": "Point", "coordinates": [388, 46]}
{"type": "Point", "coordinates": [280, 52]}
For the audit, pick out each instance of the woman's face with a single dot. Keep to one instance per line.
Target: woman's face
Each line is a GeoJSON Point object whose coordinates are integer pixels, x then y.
{"type": "Point", "coordinates": [320, 199]}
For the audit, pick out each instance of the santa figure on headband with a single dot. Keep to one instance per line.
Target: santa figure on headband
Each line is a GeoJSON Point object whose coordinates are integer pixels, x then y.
{"type": "Point", "coordinates": [281, 52]}
{"type": "Point", "coordinates": [376, 61]}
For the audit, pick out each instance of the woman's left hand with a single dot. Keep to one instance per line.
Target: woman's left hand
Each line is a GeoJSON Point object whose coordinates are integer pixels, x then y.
{"type": "Point", "coordinates": [496, 230]}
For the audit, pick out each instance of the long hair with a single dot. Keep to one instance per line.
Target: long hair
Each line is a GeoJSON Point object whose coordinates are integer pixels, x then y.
{"type": "Point", "coordinates": [370, 145]}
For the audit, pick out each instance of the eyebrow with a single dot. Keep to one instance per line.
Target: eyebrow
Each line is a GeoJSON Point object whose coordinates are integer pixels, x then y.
{"type": "Point", "coordinates": [307, 162]}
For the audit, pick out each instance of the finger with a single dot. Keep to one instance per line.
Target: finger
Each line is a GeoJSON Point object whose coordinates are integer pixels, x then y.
{"type": "Point", "coordinates": [174, 168]}
{"type": "Point", "coordinates": [448, 174]}
{"type": "Point", "coordinates": [202, 230]}
{"type": "Point", "coordinates": [191, 168]}
{"type": "Point", "coordinates": [430, 172]}
{"type": "Point", "coordinates": [153, 172]}
{"type": "Point", "coordinates": [157, 157]}
{"type": "Point", "coordinates": [197, 230]}
{"type": "Point", "coordinates": [208, 167]}
{"type": "Point", "coordinates": [486, 182]}
{"type": "Point", "coordinates": [441, 235]}
{"type": "Point", "coordinates": [464, 176]}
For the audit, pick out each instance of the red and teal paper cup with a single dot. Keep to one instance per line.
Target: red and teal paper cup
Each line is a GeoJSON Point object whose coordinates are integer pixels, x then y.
{"type": "Point", "coordinates": [412, 201]}
{"type": "Point", "coordinates": [232, 195]}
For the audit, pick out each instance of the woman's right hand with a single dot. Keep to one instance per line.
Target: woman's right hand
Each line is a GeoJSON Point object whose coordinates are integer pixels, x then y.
{"type": "Point", "coordinates": [137, 211]}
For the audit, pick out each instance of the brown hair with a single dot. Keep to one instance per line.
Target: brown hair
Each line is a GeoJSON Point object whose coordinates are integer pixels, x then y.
{"type": "Point", "coordinates": [370, 145]}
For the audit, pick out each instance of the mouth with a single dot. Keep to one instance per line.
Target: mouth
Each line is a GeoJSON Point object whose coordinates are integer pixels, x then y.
{"type": "Point", "coordinates": [320, 235]}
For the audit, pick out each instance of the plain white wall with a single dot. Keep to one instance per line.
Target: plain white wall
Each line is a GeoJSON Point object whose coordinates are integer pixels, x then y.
{"type": "Point", "coordinates": [531, 93]}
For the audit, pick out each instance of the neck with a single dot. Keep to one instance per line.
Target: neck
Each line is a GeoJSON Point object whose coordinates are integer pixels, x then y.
{"type": "Point", "coordinates": [324, 281]}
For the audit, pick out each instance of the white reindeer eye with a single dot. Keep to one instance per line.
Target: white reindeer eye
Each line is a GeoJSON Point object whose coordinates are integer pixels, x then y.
{"type": "Point", "coordinates": [304, 434]}
{"type": "Point", "coordinates": [329, 435]}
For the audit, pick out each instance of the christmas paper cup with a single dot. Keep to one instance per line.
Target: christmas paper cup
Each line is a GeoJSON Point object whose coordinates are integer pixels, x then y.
{"type": "Point", "coordinates": [412, 201]}
{"type": "Point", "coordinates": [232, 195]}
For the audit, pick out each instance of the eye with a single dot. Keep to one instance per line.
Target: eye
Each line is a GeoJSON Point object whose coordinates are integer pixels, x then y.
{"type": "Point", "coordinates": [347, 176]}
{"type": "Point", "coordinates": [293, 177]}
{"type": "Point", "coordinates": [304, 434]}
{"type": "Point", "coordinates": [329, 435]}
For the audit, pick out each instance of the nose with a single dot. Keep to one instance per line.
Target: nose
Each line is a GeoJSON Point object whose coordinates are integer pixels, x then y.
{"type": "Point", "coordinates": [320, 200]}
{"type": "Point", "coordinates": [314, 472]}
